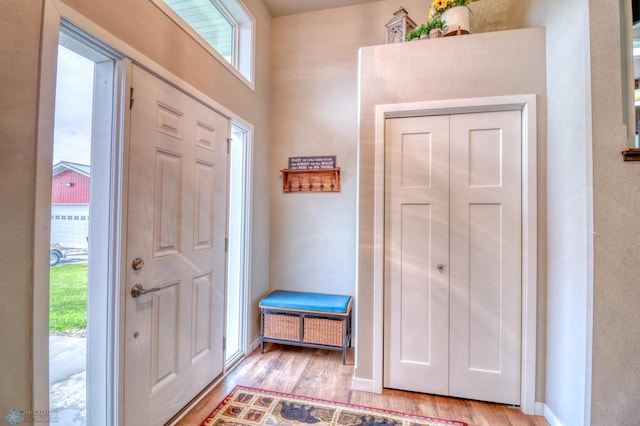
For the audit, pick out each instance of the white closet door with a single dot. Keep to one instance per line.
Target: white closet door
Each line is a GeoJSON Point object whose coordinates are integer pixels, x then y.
{"type": "Point", "coordinates": [417, 241]}
{"type": "Point", "coordinates": [453, 255]}
{"type": "Point", "coordinates": [486, 256]}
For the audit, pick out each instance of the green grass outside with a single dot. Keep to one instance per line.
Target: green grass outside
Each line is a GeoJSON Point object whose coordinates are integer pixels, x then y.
{"type": "Point", "coordinates": [68, 298]}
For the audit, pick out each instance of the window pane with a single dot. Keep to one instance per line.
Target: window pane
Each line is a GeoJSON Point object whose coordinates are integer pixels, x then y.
{"type": "Point", "coordinates": [207, 20]}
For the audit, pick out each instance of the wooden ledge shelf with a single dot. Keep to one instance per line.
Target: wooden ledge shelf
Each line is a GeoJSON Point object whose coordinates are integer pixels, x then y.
{"type": "Point", "coordinates": [632, 154]}
{"type": "Point", "coordinates": [311, 180]}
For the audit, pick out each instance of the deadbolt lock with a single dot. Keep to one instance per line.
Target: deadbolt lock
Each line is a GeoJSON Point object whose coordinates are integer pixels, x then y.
{"type": "Point", "coordinates": [137, 264]}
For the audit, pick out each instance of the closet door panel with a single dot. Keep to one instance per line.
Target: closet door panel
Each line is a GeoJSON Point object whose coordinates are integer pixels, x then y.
{"type": "Point", "coordinates": [417, 241]}
{"type": "Point", "coordinates": [486, 247]}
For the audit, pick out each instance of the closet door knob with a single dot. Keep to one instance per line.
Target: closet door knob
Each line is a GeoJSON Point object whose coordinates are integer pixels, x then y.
{"type": "Point", "coordinates": [440, 267]}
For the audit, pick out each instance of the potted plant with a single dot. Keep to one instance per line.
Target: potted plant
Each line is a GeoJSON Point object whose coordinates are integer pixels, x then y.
{"type": "Point", "coordinates": [436, 28]}
{"type": "Point", "coordinates": [454, 14]}
{"type": "Point", "coordinates": [432, 29]}
{"type": "Point", "coordinates": [421, 32]}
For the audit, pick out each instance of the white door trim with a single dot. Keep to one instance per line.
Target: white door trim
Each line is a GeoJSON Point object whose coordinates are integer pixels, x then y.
{"type": "Point", "coordinates": [526, 104]}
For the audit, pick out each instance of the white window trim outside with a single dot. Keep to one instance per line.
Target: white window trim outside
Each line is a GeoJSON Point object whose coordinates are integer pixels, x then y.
{"type": "Point", "coordinates": [243, 37]}
{"type": "Point", "coordinates": [105, 228]}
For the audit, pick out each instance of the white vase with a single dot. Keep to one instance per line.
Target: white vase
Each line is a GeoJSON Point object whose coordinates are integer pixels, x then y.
{"type": "Point", "coordinates": [456, 20]}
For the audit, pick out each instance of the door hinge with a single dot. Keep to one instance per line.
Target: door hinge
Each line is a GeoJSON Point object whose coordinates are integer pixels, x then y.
{"type": "Point", "coordinates": [228, 146]}
{"type": "Point", "coordinates": [226, 244]}
{"type": "Point", "coordinates": [131, 99]}
{"type": "Point", "coordinates": [224, 344]}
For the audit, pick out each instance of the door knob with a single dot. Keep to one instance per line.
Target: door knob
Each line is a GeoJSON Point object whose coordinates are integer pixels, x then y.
{"type": "Point", "coordinates": [440, 267]}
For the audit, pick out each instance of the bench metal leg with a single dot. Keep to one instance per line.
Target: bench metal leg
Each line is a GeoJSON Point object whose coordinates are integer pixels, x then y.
{"type": "Point", "coordinates": [345, 329]}
{"type": "Point", "coordinates": [261, 331]}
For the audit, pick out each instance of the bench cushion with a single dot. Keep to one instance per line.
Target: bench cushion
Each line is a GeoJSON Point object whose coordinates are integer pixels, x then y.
{"type": "Point", "coordinates": [311, 302]}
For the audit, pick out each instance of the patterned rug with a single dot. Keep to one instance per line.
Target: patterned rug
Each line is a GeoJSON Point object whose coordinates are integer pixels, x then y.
{"type": "Point", "coordinates": [247, 406]}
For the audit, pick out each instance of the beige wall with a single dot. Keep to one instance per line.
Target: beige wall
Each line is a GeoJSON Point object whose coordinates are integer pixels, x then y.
{"type": "Point", "coordinates": [615, 378]}
{"type": "Point", "coordinates": [593, 331]}
{"type": "Point", "coordinates": [569, 233]}
{"type": "Point", "coordinates": [19, 49]}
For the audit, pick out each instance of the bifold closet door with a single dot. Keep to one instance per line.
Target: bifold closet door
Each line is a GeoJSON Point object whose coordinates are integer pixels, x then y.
{"type": "Point", "coordinates": [486, 256]}
{"type": "Point", "coordinates": [453, 255]}
{"type": "Point", "coordinates": [416, 242]}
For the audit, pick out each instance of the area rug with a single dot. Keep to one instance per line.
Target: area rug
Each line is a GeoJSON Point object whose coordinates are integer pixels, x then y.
{"type": "Point", "coordinates": [248, 406]}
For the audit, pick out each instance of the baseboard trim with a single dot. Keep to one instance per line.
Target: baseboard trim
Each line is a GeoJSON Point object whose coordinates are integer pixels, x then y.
{"type": "Point", "coordinates": [365, 385]}
{"type": "Point", "coordinates": [551, 418]}
{"type": "Point", "coordinates": [538, 409]}
{"type": "Point", "coordinates": [253, 345]}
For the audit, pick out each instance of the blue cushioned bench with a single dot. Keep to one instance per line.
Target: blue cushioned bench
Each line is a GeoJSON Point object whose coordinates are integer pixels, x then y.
{"type": "Point", "coordinates": [315, 320]}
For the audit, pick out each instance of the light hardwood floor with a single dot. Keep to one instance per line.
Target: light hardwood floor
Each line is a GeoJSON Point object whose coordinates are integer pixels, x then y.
{"type": "Point", "coordinates": [320, 374]}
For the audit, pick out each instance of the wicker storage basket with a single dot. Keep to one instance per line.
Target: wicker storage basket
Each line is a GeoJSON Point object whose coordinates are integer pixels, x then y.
{"type": "Point", "coordinates": [323, 331]}
{"type": "Point", "coordinates": [282, 326]}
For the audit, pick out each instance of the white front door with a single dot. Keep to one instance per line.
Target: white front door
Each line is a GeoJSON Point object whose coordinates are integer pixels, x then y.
{"type": "Point", "coordinates": [453, 255]}
{"type": "Point", "coordinates": [176, 226]}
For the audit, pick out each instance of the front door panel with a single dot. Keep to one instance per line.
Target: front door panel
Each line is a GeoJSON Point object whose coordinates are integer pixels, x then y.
{"type": "Point", "coordinates": [176, 224]}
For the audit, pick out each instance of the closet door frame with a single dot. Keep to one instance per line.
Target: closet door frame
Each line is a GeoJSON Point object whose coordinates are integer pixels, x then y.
{"type": "Point", "coordinates": [527, 104]}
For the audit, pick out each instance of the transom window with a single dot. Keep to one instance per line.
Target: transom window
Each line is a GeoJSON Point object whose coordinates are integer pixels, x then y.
{"type": "Point", "coordinates": [223, 27]}
{"type": "Point", "coordinates": [209, 21]}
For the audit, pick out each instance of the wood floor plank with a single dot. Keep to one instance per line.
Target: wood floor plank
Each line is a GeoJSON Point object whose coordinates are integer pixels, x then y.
{"type": "Point", "coordinates": [320, 373]}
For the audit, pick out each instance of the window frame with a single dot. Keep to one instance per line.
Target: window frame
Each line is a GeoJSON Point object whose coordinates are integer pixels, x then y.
{"type": "Point", "coordinates": [243, 49]}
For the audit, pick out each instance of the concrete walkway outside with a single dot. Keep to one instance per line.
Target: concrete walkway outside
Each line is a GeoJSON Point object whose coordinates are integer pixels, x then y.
{"type": "Point", "coordinates": [67, 378]}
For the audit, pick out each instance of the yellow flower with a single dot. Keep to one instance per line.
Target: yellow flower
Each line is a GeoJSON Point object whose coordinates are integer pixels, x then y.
{"type": "Point", "coordinates": [439, 6]}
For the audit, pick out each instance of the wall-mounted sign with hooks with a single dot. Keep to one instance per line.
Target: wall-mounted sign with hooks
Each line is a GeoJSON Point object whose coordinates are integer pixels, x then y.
{"type": "Point", "coordinates": [311, 174]}
{"type": "Point", "coordinates": [312, 163]}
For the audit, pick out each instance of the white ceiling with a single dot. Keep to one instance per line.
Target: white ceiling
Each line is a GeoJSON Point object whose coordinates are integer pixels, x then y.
{"type": "Point", "coordinates": [291, 7]}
